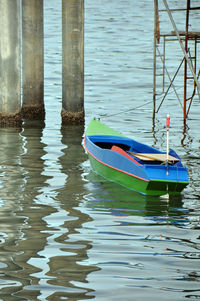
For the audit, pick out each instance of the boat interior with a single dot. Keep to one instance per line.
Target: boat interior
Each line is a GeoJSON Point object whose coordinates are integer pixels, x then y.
{"type": "Point", "coordinates": [138, 152]}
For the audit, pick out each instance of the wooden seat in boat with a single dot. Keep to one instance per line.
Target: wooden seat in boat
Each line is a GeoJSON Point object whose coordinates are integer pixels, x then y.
{"type": "Point", "coordinates": [154, 157]}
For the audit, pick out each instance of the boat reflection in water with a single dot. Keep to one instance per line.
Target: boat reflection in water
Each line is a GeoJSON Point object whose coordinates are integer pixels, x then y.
{"type": "Point", "coordinates": [141, 240]}
{"type": "Point", "coordinates": [125, 201]}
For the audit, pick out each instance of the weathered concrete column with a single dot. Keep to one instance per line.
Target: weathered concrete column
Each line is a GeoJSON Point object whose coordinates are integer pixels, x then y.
{"type": "Point", "coordinates": [73, 61]}
{"type": "Point", "coordinates": [10, 98]}
{"type": "Point", "coordinates": [33, 59]}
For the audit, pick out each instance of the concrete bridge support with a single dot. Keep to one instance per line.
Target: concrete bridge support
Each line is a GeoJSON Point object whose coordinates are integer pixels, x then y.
{"type": "Point", "coordinates": [22, 57]}
{"type": "Point", "coordinates": [33, 59]}
{"type": "Point", "coordinates": [73, 61]}
{"type": "Point", "coordinates": [10, 98]}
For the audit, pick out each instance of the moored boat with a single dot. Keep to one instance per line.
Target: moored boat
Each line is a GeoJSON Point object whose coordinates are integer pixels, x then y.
{"type": "Point", "coordinates": [132, 164]}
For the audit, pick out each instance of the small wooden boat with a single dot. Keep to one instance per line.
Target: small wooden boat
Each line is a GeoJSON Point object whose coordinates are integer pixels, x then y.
{"type": "Point", "coordinates": [132, 164]}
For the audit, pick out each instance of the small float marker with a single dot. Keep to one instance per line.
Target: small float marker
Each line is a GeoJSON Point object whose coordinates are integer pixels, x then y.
{"type": "Point", "coordinates": [168, 121]}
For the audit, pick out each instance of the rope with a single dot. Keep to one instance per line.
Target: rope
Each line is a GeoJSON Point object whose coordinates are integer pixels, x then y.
{"type": "Point", "coordinates": [140, 106]}
{"type": "Point", "coordinates": [129, 110]}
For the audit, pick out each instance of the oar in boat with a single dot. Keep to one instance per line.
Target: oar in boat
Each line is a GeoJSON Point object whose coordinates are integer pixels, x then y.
{"type": "Point", "coordinates": [154, 157]}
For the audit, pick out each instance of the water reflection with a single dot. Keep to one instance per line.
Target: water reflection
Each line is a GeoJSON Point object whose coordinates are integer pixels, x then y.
{"type": "Point", "coordinates": [185, 134]}
{"type": "Point", "coordinates": [66, 269]}
{"type": "Point", "coordinates": [66, 233]}
{"type": "Point", "coordinates": [12, 183]}
{"type": "Point", "coordinates": [121, 201]}
{"type": "Point", "coordinates": [141, 244]}
{"type": "Point", "coordinates": [41, 248]}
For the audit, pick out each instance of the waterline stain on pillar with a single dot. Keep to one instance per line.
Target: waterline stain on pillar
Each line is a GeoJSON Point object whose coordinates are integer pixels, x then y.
{"type": "Point", "coordinates": [73, 61]}
{"type": "Point", "coordinates": [10, 98]}
{"type": "Point", "coordinates": [33, 59]}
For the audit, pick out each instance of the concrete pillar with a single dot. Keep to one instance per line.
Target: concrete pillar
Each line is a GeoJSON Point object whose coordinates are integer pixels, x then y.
{"type": "Point", "coordinates": [73, 61]}
{"type": "Point", "coordinates": [10, 98]}
{"type": "Point", "coordinates": [33, 59]}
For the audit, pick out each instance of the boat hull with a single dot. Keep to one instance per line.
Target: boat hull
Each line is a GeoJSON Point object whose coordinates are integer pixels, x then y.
{"type": "Point", "coordinates": [151, 187]}
{"type": "Point", "coordinates": [117, 176]}
{"type": "Point", "coordinates": [148, 179]}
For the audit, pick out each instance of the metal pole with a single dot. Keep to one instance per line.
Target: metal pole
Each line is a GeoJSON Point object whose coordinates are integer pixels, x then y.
{"type": "Point", "coordinates": [163, 61]}
{"type": "Point", "coordinates": [10, 98]}
{"type": "Point", "coordinates": [185, 65]}
{"type": "Point", "coordinates": [33, 59]}
{"type": "Point", "coordinates": [170, 80]}
{"type": "Point", "coordinates": [156, 27]}
{"type": "Point", "coordinates": [73, 61]}
{"type": "Point", "coordinates": [182, 47]}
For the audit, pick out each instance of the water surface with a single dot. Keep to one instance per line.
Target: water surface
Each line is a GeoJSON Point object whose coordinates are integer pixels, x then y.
{"type": "Point", "coordinates": [66, 233]}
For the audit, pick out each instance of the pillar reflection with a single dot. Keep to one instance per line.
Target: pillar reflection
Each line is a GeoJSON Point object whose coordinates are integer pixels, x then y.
{"type": "Point", "coordinates": [67, 269]}
{"type": "Point", "coordinates": [21, 170]}
{"type": "Point", "coordinates": [43, 253]}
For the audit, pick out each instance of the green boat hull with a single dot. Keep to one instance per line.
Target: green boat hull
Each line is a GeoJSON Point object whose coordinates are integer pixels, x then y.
{"type": "Point", "coordinates": [97, 128]}
{"type": "Point", "coordinates": [130, 182]}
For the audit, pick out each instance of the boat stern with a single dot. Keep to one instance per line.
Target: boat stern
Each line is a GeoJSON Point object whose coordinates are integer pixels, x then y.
{"type": "Point", "coordinates": [163, 179]}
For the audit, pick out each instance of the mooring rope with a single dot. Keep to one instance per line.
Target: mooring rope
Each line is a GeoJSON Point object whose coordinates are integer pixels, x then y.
{"type": "Point", "coordinates": [125, 111]}
{"type": "Point", "coordinates": [140, 106]}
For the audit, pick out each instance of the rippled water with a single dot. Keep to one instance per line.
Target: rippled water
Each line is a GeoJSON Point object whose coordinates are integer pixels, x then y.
{"type": "Point", "coordinates": [67, 234]}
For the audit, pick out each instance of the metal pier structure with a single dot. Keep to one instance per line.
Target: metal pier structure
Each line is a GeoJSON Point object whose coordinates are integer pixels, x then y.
{"type": "Point", "coordinates": [176, 34]}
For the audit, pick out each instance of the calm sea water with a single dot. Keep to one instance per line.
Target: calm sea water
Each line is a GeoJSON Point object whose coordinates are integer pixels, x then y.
{"type": "Point", "coordinates": [67, 234]}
